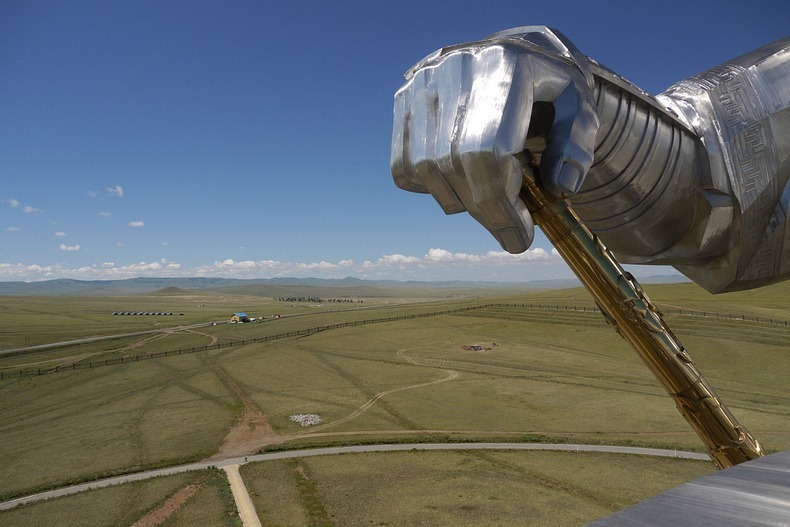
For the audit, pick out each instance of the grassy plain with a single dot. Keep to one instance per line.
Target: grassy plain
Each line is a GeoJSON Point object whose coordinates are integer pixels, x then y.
{"type": "Point", "coordinates": [458, 488]}
{"type": "Point", "coordinates": [562, 375]}
{"type": "Point", "coordinates": [205, 500]}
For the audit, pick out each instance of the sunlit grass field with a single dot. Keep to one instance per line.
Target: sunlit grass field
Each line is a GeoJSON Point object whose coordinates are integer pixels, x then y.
{"type": "Point", "coordinates": [539, 373]}
{"type": "Point", "coordinates": [468, 488]}
{"type": "Point", "coordinates": [210, 503]}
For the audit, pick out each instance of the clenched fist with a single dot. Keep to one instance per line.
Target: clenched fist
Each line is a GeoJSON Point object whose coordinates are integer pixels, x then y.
{"type": "Point", "coordinates": [464, 112]}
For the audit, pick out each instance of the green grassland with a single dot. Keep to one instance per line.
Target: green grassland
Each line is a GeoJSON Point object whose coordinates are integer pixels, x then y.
{"type": "Point", "coordinates": [211, 504]}
{"type": "Point", "coordinates": [548, 373]}
{"type": "Point", "coordinates": [34, 320]}
{"type": "Point", "coordinates": [457, 488]}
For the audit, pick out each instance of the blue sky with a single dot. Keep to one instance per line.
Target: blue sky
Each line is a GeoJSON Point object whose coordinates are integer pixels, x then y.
{"type": "Point", "coordinates": [252, 139]}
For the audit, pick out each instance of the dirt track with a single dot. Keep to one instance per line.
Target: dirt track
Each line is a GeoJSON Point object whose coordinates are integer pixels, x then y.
{"type": "Point", "coordinates": [168, 508]}
{"type": "Point", "coordinates": [252, 430]}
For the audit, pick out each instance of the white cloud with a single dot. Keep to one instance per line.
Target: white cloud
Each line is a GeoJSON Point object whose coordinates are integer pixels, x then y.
{"type": "Point", "coordinates": [444, 258]}
{"type": "Point", "coordinates": [60, 234]}
{"type": "Point", "coordinates": [15, 204]}
{"type": "Point", "coordinates": [136, 224]}
{"type": "Point", "coordinates": [149, 268]}
{"type": "Point", "coordinates": [92, 193]}
{"type": "Point", "coordinates": [230, 268]}
{"type": "Point", "coordinates": [392, 260]}
{"type": "Point", "coordinates": [105, 213]}
{"type": "Point", "coordinates": [436, 264]}
{"type": "Point", "coordinates": [13, 229]}
{"type": "Point", "coordinates": [104, 271]}
{"type": "Point", "coordinates": [116, 191]}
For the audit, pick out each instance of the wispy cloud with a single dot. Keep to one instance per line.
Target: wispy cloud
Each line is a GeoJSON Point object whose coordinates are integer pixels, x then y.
{"type": "Point", "coordinates": [64, 247]}
{"type": "Point", "coordinates": [136, 224]}
{"type": "Point", "coordinates": [116, 191]}
{"type": "Point", "coordinates": [92, 193]}
{"type": "Point", "coordinates": [60, 234]}
{"type": "Point", "coordinates": [15, 204]}
{"type": "Point", "coordinates": [105, 214]}
{"type": "Point", "coordinates": [13, 229]}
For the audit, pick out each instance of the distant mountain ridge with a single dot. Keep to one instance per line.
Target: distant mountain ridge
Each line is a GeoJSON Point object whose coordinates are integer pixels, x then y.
{"type": "Point", "coordinates": [66, 286]}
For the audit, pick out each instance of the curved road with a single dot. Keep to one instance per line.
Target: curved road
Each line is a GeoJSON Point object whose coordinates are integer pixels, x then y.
{"type": "Point", "coordinates": [201, 465]}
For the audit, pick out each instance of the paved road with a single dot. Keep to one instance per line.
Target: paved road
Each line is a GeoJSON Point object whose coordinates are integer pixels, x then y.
{"type": "Point", "coordinates": [289, 454]}
{"type": "Point", "coordinates": [247, 512]}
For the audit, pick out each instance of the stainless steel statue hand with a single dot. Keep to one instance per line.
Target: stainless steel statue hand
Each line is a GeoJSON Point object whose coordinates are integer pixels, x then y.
{"type": "Point", "coordinates": [697, 177]}
{"type": "Point", "coordinates": [465, 111]}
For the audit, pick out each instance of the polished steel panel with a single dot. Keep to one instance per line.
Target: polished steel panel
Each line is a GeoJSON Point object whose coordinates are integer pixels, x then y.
{"type": "Point", "coordinates": [752, 494]}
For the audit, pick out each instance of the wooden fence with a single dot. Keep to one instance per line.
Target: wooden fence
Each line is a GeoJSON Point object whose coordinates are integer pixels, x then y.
{"type": "Point", "coordinates": [311, 331]}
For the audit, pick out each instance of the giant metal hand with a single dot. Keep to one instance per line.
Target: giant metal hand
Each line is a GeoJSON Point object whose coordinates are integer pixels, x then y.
{"type": "Point", "coordinates": [465, 111]}
{"type": "Point", "coordinates": [697, 177]}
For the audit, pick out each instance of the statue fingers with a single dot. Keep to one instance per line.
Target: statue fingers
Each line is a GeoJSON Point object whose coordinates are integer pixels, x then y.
{"type": "Point", "coordinates": [494, 201]}
{"type": "Point", "coordinates": [570, 139]}
{"type": "Point", "coordinates": [401, 159]}
{"type": "Point", "coordinates": [418, 143]}
{"type": "Point", "coordinates": [496, 121]}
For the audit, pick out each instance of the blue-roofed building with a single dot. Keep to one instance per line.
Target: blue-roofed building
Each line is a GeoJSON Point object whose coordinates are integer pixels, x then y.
{"type": "Point", "coordinates": [239, 317]}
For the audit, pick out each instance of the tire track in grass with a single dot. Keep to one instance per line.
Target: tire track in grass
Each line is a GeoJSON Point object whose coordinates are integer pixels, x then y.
{"type": "Point", "coordinates": [546, 481]}
{"type": "Point", "coordinates": [451, 375]}
{"type": "Point", "coordinates": [171, 505]}
{"type": "Point", "coordinates": [540, 343]}
{"type": "Point", "coordinates": [301, 397]}
{"type": "Point", "coordinates": [365, 390]}
{"type": "Point", "coordinates": [60, 363]}
{"type": "Point", "coordinates": [313, 505]}
{"type": "Point", "coordinates": [139, 448]}
{"type": "Point", "coordinates": [181, 380]}
{"type": "Point", "coordinates": [213, 338]}
{"type": "Point", "coordinates": [251, 429]}
{"type": "Point", "coordinates": [723, 326]}
{"type": "Point", "coordinates": [171, 378]}
{"type": "Point", "coordinates": [77, 359]}
{"type": "Point", "coordinates": [140, 453]}
{"type": "Point", "coordinates": [365, 407]}
{"type": "Point", "coordinates": [543, 374]}
{"type": "Point", "coordinates": [251, 414]}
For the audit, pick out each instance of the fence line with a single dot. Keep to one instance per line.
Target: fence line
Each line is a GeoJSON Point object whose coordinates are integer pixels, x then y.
{"type": "Point", "coordinates": [339, 325]}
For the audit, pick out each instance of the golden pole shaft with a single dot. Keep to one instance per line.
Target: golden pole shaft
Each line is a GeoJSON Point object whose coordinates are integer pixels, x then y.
{"type": "Point", "coordinates": [638, 321]}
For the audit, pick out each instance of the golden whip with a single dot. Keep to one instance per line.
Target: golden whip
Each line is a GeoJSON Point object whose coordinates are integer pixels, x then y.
{"type": "Point", "coordinates": [638, 320]}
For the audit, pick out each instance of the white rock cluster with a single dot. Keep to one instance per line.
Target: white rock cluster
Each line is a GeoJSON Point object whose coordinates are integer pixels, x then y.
{"type": "Point", "coordinates": [306, 419]}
